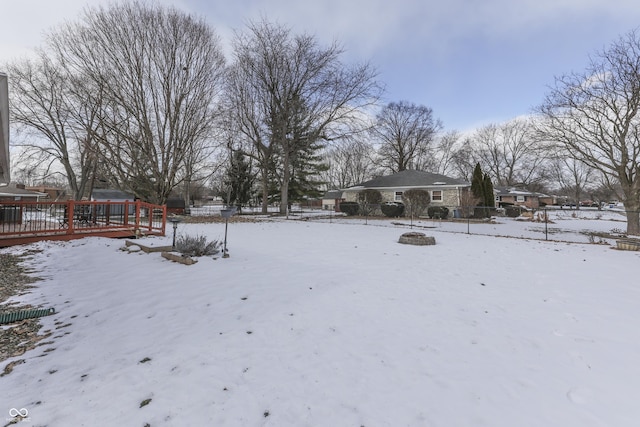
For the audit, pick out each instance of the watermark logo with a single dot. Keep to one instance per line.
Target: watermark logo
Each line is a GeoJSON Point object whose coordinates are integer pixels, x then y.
{"type": "Point", "coordinates": [21, 413]}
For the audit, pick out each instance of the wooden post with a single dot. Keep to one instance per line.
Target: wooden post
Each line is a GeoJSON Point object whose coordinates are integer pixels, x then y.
{"type": "Point", "coordinates": [164, 218]}
{"type": "Point", "coordinates": [137, 202]}
{"type": "Point", "coordinates": [107, 212]}
{"type": "Point", "coordinates": [150, 217]}
{"type": "Point", "coordinates": [126, 213]}
{"type": "Point", "coordinates": [71, 213]}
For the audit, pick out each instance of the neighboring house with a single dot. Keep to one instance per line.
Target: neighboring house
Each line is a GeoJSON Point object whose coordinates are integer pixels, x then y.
{"type": "Point", "coordinates": [12, 213]}
{"type": "Point", "coordinates": [18, 192]}
{"type": "Point", "coordinates": [331, 200]}
{"type": "Point", "coordinates": [53, 193]}
{"type": "Point", "coordinates": [176, 206]}
{"type": "Point", "coordinates": [529, 199]}
{"type": "Point", "coordinates": [444, 191]}
{"type": "Point", "coordinates": [106, 195]}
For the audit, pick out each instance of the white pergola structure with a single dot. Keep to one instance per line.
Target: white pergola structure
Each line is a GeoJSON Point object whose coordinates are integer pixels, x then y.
{"type": "Point", "coordinates": [4, 129]}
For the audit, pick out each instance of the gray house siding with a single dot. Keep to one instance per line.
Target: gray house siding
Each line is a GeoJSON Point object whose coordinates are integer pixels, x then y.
{"type": "Point", "coordinates": [449, 189]}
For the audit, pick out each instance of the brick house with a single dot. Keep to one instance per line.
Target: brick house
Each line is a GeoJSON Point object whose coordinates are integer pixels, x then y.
{"type": "Point", "coordinates": [515, 197]}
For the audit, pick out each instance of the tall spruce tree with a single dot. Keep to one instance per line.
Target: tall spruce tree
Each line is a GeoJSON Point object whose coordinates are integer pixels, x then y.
{"type": "Point", "coordinates": [477, 184]}
{"type": "Point", "coordinates": [482, 189]}
{"type": "Point", "coordinates": [487, 187]}
{"type": "Point", "coordinates": [306, 167]}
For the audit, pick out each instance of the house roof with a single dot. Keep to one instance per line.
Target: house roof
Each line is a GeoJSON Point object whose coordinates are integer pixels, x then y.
{"type": "Point", "coordinates": [333, 194]}
{"type": "Point", "coordinates": [12, 190]}
{"type": "Point", "coordinates": [510, 191]}
{"type": "Point", "coordinates": [412, 178]}
{"type": "Point", "coordinates": [106, 194]}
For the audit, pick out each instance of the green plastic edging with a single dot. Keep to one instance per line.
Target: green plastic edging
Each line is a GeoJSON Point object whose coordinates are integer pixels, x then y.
{"type": "Point", "coordinates": [16, 316]}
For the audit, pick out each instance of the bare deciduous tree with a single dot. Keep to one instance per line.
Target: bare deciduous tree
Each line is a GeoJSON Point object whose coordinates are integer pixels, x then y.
{"type": "Point", "coordinates": [350, 162]}
{"type": "Point", "coordinates": [49, 107]}
{"type": "Point", "coordinates": [405, 132]}
{"type": "Point", "coordinates": [416, 201]}
{"type": "Point", "coordinates": [369, 201]}
{"type": "Point", "coordinates": [463, 160]}
{"type": "Point", "coordinates": [572, 175]}
{"type": "Point", "coordinates": [595, 115]}
{"type": "Point", "coordinates": [511, 153]}
{"type": "Point", "coordinates": [288, 93]}
{"type": "Point", "coordinates": [159, 72]}
{"type": "Point", "coordinates": [444, 153]}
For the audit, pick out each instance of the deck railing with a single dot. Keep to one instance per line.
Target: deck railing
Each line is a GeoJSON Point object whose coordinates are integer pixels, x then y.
{"type": "Point", "coordinates": [72, 217]}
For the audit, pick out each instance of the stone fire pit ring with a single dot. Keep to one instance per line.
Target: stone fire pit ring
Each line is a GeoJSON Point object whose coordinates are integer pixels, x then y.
{"type": "Point", "coordinates": [415, 238]}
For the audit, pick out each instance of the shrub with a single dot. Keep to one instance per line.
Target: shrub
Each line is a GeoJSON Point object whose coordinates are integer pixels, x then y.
{"type": "Point", "coordinates": [350, 208]}
{"type": "Point", "coordinates": [392, 209]}
{"type": "Point", "coordinates": [416, 201]}
{"type": "Point", "coordinates": [197, 246]}
{"type": "Point", "coordinates": [369, 200]}
{"type": "Point", "coordinates": [513, 211]}
{"type": "Point", "coordinates": [438, 212]}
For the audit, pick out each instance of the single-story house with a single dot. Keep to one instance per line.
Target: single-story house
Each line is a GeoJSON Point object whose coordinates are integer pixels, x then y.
{"type": "Point", "coordinates": [444, 191]}
{"type": "Point", "coordinates": [515, 197]}
{"type": "Point", "coordinates": [12, 192]}
{"type": "Point", "coordinates": [53, 193]}
{"type": "Point", "coordinates": [18, 192]}
{"type": "Point", "coordinates": [176, 206]}
{"type": "Point", "coordinates": [331, 200]}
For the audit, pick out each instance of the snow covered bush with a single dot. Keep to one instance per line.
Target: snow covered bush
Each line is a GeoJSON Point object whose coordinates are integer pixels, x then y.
{"type": "Point", "coordinates": [197, 246]}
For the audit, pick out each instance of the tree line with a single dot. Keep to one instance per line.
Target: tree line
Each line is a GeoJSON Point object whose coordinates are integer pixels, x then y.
{"type": "Point", "coordinates": [141, 97]}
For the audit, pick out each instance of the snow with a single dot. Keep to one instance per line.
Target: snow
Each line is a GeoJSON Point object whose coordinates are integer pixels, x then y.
{"type": "Point", "coordinates": [318, 323]}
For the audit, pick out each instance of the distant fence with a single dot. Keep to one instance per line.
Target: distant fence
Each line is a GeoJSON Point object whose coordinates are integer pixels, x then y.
{"type": "Point", "coordinates": [547, 223]}
{"type": "Point", "coordinates": [27, 219]}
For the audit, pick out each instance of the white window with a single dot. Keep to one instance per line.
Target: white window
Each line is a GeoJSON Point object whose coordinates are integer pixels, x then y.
{"type": "Point", "coordinates": [398, 196]}
{"type": "Point", "coordinates": [520, 198]}
{"type": "Point", "coordinates": [436, 196]}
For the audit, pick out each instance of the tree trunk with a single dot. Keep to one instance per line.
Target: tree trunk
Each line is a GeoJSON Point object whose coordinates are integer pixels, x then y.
{"type": "Point", "coordinates": [633, 218]}
{"type": "Point", "coordinates": [265, 190]}
{"type": "Point", "coordinates": [284, 188]}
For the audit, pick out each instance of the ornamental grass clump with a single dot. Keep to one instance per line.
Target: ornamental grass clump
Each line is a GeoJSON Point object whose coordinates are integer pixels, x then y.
{"type": "Point", "coordinates": [197, 246]}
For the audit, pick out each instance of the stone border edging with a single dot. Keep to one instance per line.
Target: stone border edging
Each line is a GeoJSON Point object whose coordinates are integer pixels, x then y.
{"type": "Point", "coordinates": [171, 256]}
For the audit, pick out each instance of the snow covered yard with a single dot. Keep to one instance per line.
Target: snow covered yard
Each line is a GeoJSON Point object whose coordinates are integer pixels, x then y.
{"type": "Point", "coordinates": [332, 324]}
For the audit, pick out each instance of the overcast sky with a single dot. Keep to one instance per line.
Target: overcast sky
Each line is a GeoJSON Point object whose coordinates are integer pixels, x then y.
{"type": "Point", "coordinates": [473, 61]}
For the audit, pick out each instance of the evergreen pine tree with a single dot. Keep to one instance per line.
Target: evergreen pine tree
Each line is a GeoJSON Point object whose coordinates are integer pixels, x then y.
{"type": "Point", "coordinates": [306, 168]}
{"type": "Point", "coordinates": [482, 190]}
{"type": "Point", "coordinates": [477, 184]}
{"type": "Point", "coordinates": [489, 197]}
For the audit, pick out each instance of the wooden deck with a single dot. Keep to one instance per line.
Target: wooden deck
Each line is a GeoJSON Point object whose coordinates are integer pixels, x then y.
{"type": "Point", "coordinates": [28, 222]}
